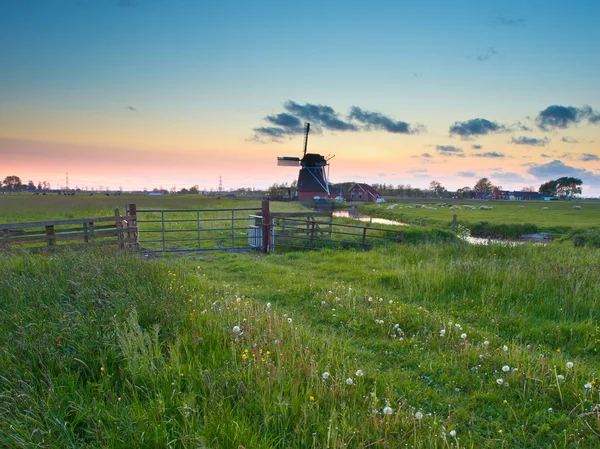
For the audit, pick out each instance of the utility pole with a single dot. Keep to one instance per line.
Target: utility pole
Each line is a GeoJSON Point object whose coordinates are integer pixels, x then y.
{"type": "Point", "coordinates": [220, 184]}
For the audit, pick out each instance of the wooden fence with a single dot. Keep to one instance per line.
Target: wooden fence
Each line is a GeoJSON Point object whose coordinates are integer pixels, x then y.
{"type": "Point", "coordinates": [116, 229]}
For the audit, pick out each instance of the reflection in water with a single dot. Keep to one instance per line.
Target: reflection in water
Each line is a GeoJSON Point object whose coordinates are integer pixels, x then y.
{"type": "Point", "coordinates": [346, 214]}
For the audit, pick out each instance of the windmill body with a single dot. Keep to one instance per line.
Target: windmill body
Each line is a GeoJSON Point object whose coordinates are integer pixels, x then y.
{"type": "Point", "coordinates": [312, 179]}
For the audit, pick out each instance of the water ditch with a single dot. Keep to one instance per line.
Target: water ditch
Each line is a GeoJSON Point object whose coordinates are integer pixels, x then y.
{"type": "Point", "coordinates": [540, 238]}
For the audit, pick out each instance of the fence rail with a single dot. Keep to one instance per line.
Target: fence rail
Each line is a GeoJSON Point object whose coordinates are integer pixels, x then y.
{"type": "Point", "coordinates": [52, 233]}
{"type": "Point", "coordinates": [312, 234]}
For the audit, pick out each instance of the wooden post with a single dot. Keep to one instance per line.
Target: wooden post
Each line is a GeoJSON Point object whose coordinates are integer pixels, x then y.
{"type": "Point", "coordinates": [364, 237]}
{"type": "Point", "coordinates": [119, 227]}
{"type": "Point", "coordinates": [312, 234]}
{"type": "Point", "coordinates": [51, 236]}
{"type": "Point", "coordinates": [85, 233]}
{"type": "Point", "coordinates": [132, 223]}
{"type": "Point", "coordinates": [266, 226]}
{"type": "Point", "coordinates": [454, 223]}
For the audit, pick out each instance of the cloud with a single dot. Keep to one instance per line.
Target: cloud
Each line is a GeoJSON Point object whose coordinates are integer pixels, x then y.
{"type": "Point", "coordinates": [509, 177]}
{"type": "Point", "coordinates": [532, 141]}
{"type": "Point", "coordinates": [477, 147]}
{"type": "Point", "coordinates": [518, 126]}
{"type": "Point", "coordinates": [131, 108]}
{"type": "Point", "coordinates": [490, 154]}
{"type": "Point", "coordinates": [487, 55]}
{"type": "Point", "coordinates": [557, 116]}
{"type": "Point", "coordinates": [449, 150]}
{"type": "Point", "coordinates": [509, 21]}
{"type": "Point", "coordinates": [569, 139]}
{"type": "Point", "coordinates": [416, 171]}
{"type": "Point", "coordinates": [426, 155]}
{"type": "Point", "coordinates": [586, 157]}
{"type": "Point", "coordinates": [375, 120]}
{"type": "Point", "coordinates": [476, 127]}
{"type": "Point", "coordinates": [545, 155]}
{"type": "Point", "coordinates": [557, 169]}
{"type": "Point", "coordinates": [323, 117]}
{"type": "Point", "coordinates": [466, 174]}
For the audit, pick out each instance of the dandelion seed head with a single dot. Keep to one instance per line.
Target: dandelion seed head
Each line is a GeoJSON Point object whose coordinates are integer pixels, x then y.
{"type": "Point", "coordinates": [560, 377]}
{"type": "Point", "coordinates": [289, 320]}
{"type": "Point", "coordinates": [349, 381]}
{"type": "Point", "coordinates": [486, 343]}
{"type": "Point", "coordinates": [500, 381]}
{"type": "Point", "coordinates": [463, 336]}
{"type": "Point", "coordinates": [419, 415]}
{"type": "Point", "coordinates": [325, 375]}
{"type": "Point", "coordinates": [442, 332]}
{"type": "Point", "coordinates": [569, 364]}
{"type": "Point", "coordinates": [453, 433]}
{"type": "Point", "coordinates": [505, 348]}
{"type": "Point", "coordinates": [359, 373]}
{"type": "Point", "coordinates": [268, 304]}
{"type": "Point", "coordinates": [387, 410]}
{"type": "Point", "coordinates": [506, 368]}
{"type": "Point", "coordinates": [588, 386]}
{"type": "Point", "coordinates": [236, 329]}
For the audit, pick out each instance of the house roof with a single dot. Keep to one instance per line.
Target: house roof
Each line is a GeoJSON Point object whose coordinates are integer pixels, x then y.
{"type": "Point", "coordinates": [366, 188]}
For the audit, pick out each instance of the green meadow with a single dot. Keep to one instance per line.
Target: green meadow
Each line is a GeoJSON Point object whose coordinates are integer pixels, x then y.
{"type": "Point", "coordinates": [505, 219]}
{"type": "Point", "coordinates": [425, 344]}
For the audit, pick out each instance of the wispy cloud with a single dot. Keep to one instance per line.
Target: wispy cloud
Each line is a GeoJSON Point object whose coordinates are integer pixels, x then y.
{"type": "Point", "coordinates": [375, 120]}
{"type": "Point", "coordinates": [476, 127]}
{"type": "Point", "coordinates": [557, 116]}
{"type": "Point", "coordinates": [477, 147]}
{"type": "Point", "coordinates": [490, 154]}
{"type": "Point", "coordinates": [466, 174]}
{"type": "Point", "coordinates": [489, 52]}
{"type": "Point", "coordinates": [531, 141]}
{"type": "Point", "coordinates": [509, 21]}
{"type": "Point", "coordinates": [449, 150]}
{"type": "Point", "coordinates": [568, 139]}
{"type": "Point", "coordinates": [586, 157]}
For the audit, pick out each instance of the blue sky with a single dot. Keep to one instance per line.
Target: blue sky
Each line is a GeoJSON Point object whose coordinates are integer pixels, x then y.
{"type": "Point", "coordinates": [183, 86]}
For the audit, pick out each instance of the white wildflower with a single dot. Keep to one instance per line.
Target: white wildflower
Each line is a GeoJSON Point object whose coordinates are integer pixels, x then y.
{"type": "Point", "coordinates": [560, 377]}
{"type": "Point", "coordinates": [419, 415]}
{"type": "Point", "coordinates": [486, 343]}
{"type": "Point", "coordinates": [569, 364]}
{"type": "Point", "coordinates": [442, 332]}
{"type": "Point", "coordinates": [325, 375]}
{"type": "Point", "coordinates": [588, 386]}
{"type": "Point", "coordinates": [506, 368]}
{"type": "Point", "coordinates": [453, 433]}
{"type": "Point", "coordinates": [349, 381]}
{"type": "Point", "coordinates": [505, 348]}
{"type": "Point", "coordinates": [236, 329]}
{"type": "Point", "coordinates": [387, 410]}
{"type": "Point", "coordinates": [499, 381]}
{"type": "Point", "coordinates": [359, 373]}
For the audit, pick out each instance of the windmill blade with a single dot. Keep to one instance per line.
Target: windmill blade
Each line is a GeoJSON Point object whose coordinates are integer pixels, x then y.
{"type": "Point", "coordinates": [286, 161]}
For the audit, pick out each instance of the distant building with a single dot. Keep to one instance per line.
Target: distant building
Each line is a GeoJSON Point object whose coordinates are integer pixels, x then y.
{"type": "Point", "coordinates": [362, 192]}
{"type": "Point", "coordinates": [498, 194]}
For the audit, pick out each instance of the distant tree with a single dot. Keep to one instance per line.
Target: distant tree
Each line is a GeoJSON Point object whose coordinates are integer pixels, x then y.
{"type": "Point", "coordinates": [184, 191]}
{"type": "Point", "coordinates": [464, 192]}
{"type": "Point", "coordinates": [12, 182]}
{"type": "Point", "coordinates": [436, 188]}
{"type": "Point", "coordinates": [194, 189]}
{"type": "Point", "coordinates": [484, 185]}
{"type": "Point", "coordinates": [568, 186]}
{"type": "Point", "coordinates": [528, 189]}
{"type": "Point", "coordinates": [31, 186]}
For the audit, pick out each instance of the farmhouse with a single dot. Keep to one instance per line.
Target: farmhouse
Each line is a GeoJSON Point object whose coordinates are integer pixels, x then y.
{"type": "Point", "coordinates": [363, 192]}
{"type": "Point", "coordinates": [498, 194]}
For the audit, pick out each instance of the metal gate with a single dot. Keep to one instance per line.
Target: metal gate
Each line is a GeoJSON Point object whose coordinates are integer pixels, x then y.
{"type": "Point", "coordinates": [179, 230]}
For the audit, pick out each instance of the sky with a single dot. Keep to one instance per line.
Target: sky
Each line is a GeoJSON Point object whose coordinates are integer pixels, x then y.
{"type": "Point", "coordinates": [140, 94]}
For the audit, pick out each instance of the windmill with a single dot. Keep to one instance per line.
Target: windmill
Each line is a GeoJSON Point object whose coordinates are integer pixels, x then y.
{"type": "Point", "coordinates": [312, 179]}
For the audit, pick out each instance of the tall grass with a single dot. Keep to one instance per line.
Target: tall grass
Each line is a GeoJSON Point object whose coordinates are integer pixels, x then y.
{"type": "Point", "coordinates": [419, 346]}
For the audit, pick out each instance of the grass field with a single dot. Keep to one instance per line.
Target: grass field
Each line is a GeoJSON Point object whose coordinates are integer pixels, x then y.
{"type": "Point", "coordinates": [505, 219]}
{"type": "Point", "coordinates": [415, 345]}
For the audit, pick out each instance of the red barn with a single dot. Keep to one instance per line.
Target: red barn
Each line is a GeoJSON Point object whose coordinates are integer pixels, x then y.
{"type": "Point", "coordinates": [363, 192]}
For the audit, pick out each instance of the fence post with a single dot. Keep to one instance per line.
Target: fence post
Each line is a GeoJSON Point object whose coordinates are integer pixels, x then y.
{"type": "Point", "coordinates": [266, 226]}
{"type": "Point", "coordinates": [312, 233]}
{"type": "Point", "coordinates": [119, 226]}
{"type": "Point", "coordinates": [132, 223]}
{"type": "Point", "coordinates": [454, 223]}
{"type": "Point", "coordinates": [51, 236]}
{"type": "Point", "coordinates": [364, 237]}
